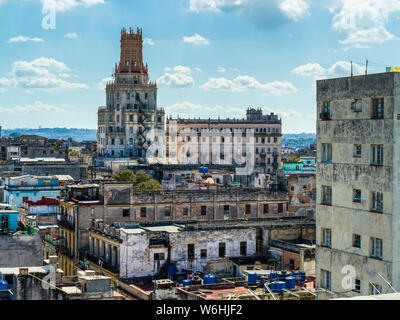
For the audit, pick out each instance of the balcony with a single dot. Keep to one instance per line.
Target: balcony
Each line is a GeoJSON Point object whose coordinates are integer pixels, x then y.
{"type": "Point", "coordinates": [105, 265]}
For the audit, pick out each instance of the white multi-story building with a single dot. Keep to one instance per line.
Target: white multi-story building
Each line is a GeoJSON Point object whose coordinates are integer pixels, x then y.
{"type": "Point", "coordinates": [126, 124]}
{"type": "Point", "coordinates": [358, 183]}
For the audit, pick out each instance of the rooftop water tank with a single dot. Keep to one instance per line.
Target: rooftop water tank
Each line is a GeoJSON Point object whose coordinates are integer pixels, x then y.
{"type": "Point", "coordinates": [279, 286]}
{"type": "Point", "coordinates": [302, 276]}
{"type": "Point", "coordinates": [186, 283]}
{"type": "Point", "coordinates": [272, 276]}
{"type": "Point", "coordinates": [252, 278]}
{"type": "Point", "coordinates": [3, 285]}
{"type": "Point", "coordinates": [171, 270]}
{"type": "Point", "coordinates": [290, 282]}
{"type": "Point", "coordinates": [209, 279]}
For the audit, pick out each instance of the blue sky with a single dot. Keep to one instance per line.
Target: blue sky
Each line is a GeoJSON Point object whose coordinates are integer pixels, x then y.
{"type": "Point", "coordinates": [210, 58]}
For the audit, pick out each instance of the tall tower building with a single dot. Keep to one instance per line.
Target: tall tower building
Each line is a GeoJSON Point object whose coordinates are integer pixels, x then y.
{"type": "Point", "coordinates": [126, 124]}
{"type": "Point", "coordinates": [358, 185]}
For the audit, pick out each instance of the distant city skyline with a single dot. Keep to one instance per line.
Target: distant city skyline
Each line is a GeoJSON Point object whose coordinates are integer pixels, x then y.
{"type": "Point", "coordinates": [210, 58]}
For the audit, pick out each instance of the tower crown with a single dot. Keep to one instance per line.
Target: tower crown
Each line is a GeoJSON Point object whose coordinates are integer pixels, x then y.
{"type": "Point", "coordinates": [131, 60]}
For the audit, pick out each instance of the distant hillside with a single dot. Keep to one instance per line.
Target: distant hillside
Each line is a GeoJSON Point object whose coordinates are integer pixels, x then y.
{"type": "Point", "coordinates": [56, 133]}
{"type": "Point", "coordinates": [299, 140]}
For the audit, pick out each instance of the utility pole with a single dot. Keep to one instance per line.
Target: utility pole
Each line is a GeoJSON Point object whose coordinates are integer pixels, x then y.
{"type": "Point", "coordinates": [366, 68]}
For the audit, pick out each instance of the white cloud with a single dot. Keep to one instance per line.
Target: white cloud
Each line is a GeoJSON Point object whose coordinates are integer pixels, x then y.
{"type": "Point", "coordinates": [43, 74]}
{"type": "Point", "coordinates": [102, 84]}
{"type": "Point", "coordinates": [71, 35]}
{"type": "Point", "coordinates": [24, 39]}
{"type": "Point", "coordinates": [196, 40]}
{"type": "Point", "coordinates": [36, 107]}
{"type": "Point", "coordinates": [294, 9]}
{"type": "Point", "coordinates": [339, 68]}
{"type": "Point", "coordinates": [265, 14]}
{"type": "Point", "coordinates": [198, 69]}
{"type": "Point", "coordinates": [178, 77]}
{"type": "Point", "coordinates": [67, 5]}
{"type": "Point", "coordinates": [221, 69]}
{"type": "Point", "coordinates": [289, 114]}
{"type": "Point", "coordinates": [148, 41]}
{"type": "Point", "coordinates": [241, 83]}
{"type": "Point", "coordinates": [363, 21]}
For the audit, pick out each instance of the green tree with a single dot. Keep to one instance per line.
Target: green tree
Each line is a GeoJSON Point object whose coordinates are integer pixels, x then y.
{"type": "Point", "coordinates": [141, 181]}
{"type": "Point", "coordinates": [145, 182]}
{"type": "Point", "coordinates": [124, 176]}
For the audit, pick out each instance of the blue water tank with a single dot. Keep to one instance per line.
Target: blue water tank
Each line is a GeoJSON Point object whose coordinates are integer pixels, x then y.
{"type": "Point", "coordinates": [209, 279]}
{"type": "Point", "coordinates": [279, 286]}
{"type": "Point", "coordinates": [296, 275]}
{"type": "Point", "coordinates": [171, 270]}
{"type": "Point", "coordinates": [3, 285]}
{"type": "Point", "coordinates": [290, 282]}
{"type": "Point", "coordinates": [302, 276]}
{"type": "Point", "coordinates": [272, 276]}
{"type": "Point", "coordinates": [186, 283]}
{"type": "Point", "coordinates": [271, 285]}
{"type": "Point", "coordinates": [252, 278]}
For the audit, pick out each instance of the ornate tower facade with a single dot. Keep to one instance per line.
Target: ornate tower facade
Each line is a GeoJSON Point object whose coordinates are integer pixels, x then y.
{"type": "Point", "coordinates": [127, 123]}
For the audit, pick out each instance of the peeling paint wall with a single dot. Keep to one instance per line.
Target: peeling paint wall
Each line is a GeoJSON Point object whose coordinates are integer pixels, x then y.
{"type": "Point", "coordinates": [346, 172]}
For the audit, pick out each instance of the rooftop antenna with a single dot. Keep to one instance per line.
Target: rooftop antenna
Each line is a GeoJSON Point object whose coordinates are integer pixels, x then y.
{"type": "Point", "coordinates": [366, 68]}
{"type": "Point", "coordinates": [351, 68]}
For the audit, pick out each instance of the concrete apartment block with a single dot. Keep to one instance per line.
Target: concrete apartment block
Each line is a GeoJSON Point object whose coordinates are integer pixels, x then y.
{"type": "Point", "coordinates": [358, 180]}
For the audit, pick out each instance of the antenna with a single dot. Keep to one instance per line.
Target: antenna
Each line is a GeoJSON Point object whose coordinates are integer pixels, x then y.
{"type": "Point", "coordinates": [351, 68]}
{"type": "Point", "coordinates": [366, 68]}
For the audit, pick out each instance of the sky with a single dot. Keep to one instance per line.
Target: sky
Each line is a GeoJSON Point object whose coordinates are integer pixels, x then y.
{"type": "Point", "coordinates": [210, 58]}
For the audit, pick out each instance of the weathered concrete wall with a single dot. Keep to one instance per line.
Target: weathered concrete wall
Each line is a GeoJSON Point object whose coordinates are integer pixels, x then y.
{"type": "Point", "coordinates": [187, 205]}
{"type": "Point", "coordinates": [209, 240]}
{"type": "Point", "coordinates": [20, 251]}
{"type": "Point", "coordinates": [346, 172]}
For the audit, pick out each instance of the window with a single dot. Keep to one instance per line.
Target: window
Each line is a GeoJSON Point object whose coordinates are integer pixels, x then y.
{"type": "Point", "coordinates": [357, 105]}
{"type": "Point", "coordinates": [226, 212]}
{"type": "Point", "coordinates": [326, 152]}
{"type": "Point", "coordinates": [185, 211]}
{"type": "Point", "coordinates": [377, 108]}
{"type": "Point", "coordinates": [222, 249]}
{"type": "Point", "coordinates": [326, 237]}
{"type": "Point", "coordinates": [126, 212]}
{"type": "Point", "coordinates": [190, 249]}
{"type": "Point", "coordinates": [377, 155]}
{"type": "Point", "coordinates": [357, 285]}
{"type": "Point", "coordinates": [143, 212]}
{"type": "Point", "coordinates": [266, 209]}
{"type": "Point", "coordinates": [203, 253]}
{"type": "Point", "coordinates": [326, 111]}
{"type": "Point", "coordinates": [356, 241]}
{"type": "Point", "coordinates": [167, 211]}
{"type": "Point", "coordinates": [92, 211]}
{"type": "Point", "coordinates": [159, 256]}
{"type": "Point", "coordinates": [326, 195]}
{"type": "Point", "coordinates": [357, 151]}
{"type": "Point", "coordinates": [376, 248]}
{"type": "Point", "coordinates": [375, 289]}
{"type": "Point", "coordinates": [248, 209]}
{"type": "Point", "coordinates": [326, 279]}
{"type": "Point", "coordinates": [377, 201]}
{"type": "Point", "coordinates": [203, 210]}
{"type": "Point", "coordinates": [357, 195]}
{"type": "Point", "coordinates": [243, 248]}
{"type": "Point", "coordinates": [280, 207]}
